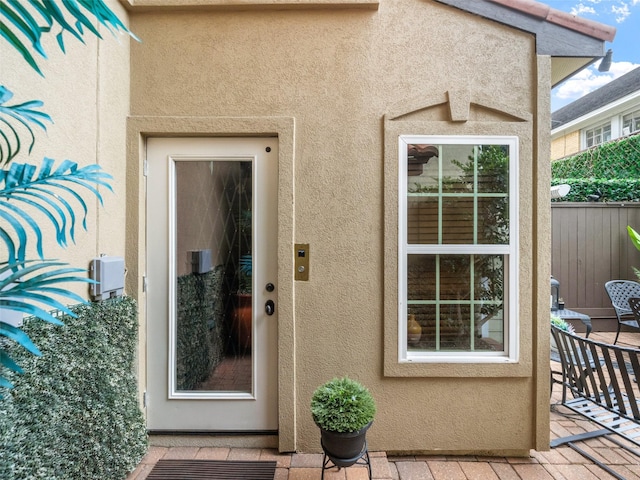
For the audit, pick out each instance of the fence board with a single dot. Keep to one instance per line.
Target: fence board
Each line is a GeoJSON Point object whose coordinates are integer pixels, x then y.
{"type": "Point", "coordinates": [589, 247]}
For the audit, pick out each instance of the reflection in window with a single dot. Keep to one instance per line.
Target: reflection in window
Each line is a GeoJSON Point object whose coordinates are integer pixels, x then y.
{"type": "Point", "coordinates": [458, 242]}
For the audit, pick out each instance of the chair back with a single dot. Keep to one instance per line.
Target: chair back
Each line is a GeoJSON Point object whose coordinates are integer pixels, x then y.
{"type": "Point", "coordinates": [634, 303]}
{"type": "Point", "coordinates": [620, 291]}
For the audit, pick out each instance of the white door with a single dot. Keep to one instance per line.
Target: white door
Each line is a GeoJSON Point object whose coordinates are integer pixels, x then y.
{"type": "Point", "coordinates": [211, 284]}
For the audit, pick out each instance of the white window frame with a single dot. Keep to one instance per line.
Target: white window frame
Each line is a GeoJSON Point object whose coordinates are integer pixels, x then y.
{"type": "Point", "coordinates": [601, 127]}
{"type": "Point", "coordinates": [509, 251]}
{"type": "Point", "coordinates": [634, 117]}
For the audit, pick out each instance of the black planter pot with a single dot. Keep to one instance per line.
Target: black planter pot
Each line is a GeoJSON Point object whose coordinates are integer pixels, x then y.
{"type": "Point", "coordinates": [344, 449]}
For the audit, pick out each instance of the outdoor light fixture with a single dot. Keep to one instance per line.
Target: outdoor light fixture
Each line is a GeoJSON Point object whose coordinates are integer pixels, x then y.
{"type": "Point", "coordinates": [605, 63]}
{"type": "Point", "coordinates": [559, 191]}
{"type": "Point", "coordinates": [418, 157]}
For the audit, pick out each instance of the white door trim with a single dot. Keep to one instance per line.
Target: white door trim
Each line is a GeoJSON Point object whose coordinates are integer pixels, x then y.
{"type": "Point", "coordinates": [138, 129]}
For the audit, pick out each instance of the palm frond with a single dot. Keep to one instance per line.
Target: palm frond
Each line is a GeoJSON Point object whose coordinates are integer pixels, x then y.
{"type": "Point", "coordinates": [18, 45]}
{"type": "Point", "coordinates": [51, 192]}
{"type": "Point", "coordinates": [29, 288]}
{"type": "Point", "coordinates": [19, 116]}
{"type": "Point", "coordinates": [22, 23]}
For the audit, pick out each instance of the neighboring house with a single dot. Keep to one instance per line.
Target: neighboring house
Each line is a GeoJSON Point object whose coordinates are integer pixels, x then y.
{"type": "Point", "coordinates": [343, 164]}
{"type": "Point", "coordinates": [610, 112]}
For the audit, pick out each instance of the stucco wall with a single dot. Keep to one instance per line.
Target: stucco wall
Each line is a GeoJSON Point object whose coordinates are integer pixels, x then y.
{"type": "Point", "coordinates": [86, 92]}
{"type": "Point", "coordinates": [337, 73]}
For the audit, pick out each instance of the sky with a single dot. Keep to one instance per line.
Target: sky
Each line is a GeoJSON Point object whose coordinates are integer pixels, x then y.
{"type": "Point", "coordinates": [624, 15]}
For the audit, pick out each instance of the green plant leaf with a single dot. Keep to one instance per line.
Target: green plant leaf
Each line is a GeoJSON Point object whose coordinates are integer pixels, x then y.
{"type": "Point", "coordinates": [635, 237]}
{"type": "Point", "coordinates": [342, 405]}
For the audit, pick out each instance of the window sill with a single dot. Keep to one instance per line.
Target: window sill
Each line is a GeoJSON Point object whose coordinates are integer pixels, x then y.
{"type": "Point", "coordinates": [503, 368]}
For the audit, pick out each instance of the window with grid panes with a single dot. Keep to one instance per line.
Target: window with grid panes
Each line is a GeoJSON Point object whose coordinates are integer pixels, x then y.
{"type": "Point", "coordinates": [458, 248]}
{"type": "Point", "coordinates": [597, 135]}
{"type": "Point", "coordinates": [631, 121]}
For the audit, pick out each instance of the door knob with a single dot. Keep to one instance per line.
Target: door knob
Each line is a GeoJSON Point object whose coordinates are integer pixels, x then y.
{"type": "Point", "coordinates": [269, 307]}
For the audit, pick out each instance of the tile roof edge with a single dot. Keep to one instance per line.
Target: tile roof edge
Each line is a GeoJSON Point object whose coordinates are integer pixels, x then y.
{"type": "Point", "coordinates": [563, 19]}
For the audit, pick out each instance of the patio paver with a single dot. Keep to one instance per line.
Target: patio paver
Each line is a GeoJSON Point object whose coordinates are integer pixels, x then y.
{"type": "Point", "coordinates": [561, 463]}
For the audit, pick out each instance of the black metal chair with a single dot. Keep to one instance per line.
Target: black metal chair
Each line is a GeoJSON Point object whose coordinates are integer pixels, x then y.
{"type": "Point", "coordinates": [634, 303]}
{"type": "Point", "coordinates": [620, 291]}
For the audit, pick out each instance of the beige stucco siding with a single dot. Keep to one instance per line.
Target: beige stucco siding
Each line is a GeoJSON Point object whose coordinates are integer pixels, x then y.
{"type": "Point", "coordinates": [86, 92]}
{"type": "Point", "coordinates": [337, 74]}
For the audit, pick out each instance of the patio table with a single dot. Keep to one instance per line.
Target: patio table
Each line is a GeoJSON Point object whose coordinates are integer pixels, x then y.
{"type": "Point", "coordinates": [567, 314]}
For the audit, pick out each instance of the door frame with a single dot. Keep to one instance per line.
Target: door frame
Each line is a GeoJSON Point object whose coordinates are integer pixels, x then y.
{"type": "Point", "coordinates": [138, 129]}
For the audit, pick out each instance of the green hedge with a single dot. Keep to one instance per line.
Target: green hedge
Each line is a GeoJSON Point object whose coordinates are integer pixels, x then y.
{"type": "Point", "coordinates": [200, 338]}
{"type": "Point", "coordinates": [615, 159]}
{"type": "Point", "coordinates": [610, 171]}
{"type": "Point", "coordinates": [615, 190]}
{"type": "Point", "coordinates": [74, 413]}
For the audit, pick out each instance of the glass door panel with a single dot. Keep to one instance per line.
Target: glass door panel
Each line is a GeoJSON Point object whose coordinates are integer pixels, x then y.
{"type": "Point", "coordinates": [213, 255]}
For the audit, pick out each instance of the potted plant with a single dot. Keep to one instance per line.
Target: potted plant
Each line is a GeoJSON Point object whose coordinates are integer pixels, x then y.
{"type": "Point", "coordinates": [344, 411]}
{"type": "Point", "coordinates": [562, 325]}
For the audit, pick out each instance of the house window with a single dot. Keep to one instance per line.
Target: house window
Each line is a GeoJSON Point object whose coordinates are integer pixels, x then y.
{"type": "Point", "coordinates": [597, 135]}
{"type": "Point", "coordinates": [458, 283]}
{"type": "Point", "coordinates": [631, 121]}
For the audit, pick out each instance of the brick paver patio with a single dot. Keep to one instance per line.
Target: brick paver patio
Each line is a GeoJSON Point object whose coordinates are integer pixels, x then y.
{"type": "Point", "coordinates": [561, 463]}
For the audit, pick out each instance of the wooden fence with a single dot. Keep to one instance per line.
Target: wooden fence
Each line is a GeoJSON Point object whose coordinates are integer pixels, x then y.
{"type": "Point", "coordinates": [589, 247]}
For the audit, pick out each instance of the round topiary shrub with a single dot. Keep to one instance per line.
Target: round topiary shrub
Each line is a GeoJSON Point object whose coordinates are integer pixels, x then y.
{"type": "Point", "coordinates": [342, 405]}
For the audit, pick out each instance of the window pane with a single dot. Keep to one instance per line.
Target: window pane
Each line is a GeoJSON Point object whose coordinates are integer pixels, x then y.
{"type": "Point", "coordinates": [493, 169]}
{"type": "Point", "coordinates": [421, 278]}
{"type": "Point", "coordinates": [425, 338]}
{"type": "Point", "coordinates": [459, 195]}
{"type": "Point", "coordinates": [457, 220]}
{"type": "Point", "coordinates": [442, 293]}
{"type": "Point", "coordinates": [489, 331]}
{"type": "Point", "coordinates": [455, 272]}
{"type": "Point", "coordinates": [422, 220]}
{"type": "Point", "coordinates": [493, 221]}
{"type": "Point", "coordinates": [455, 327]}
{"type": "Point", "coordinates": [457, 168]}
{"type": "Point", "coordinates": [488, 271]}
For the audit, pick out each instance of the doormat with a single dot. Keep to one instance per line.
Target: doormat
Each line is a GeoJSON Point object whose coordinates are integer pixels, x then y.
{"type": "Point", "coordinates": [212, 470]}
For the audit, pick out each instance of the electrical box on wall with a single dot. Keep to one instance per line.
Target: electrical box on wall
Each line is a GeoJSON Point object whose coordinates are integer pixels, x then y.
{"type": "Point", "coordinates": [109, 273]}
{"type": "Point", "coordinates": [200, 260]}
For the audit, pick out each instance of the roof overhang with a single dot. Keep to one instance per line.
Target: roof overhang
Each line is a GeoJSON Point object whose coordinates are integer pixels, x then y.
{"type": "Point", "coordinates": [573, 42]}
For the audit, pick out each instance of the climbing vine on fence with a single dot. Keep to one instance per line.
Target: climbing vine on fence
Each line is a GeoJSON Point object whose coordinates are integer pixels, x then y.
{"type": "Point", "coordinates": [608, 172]}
